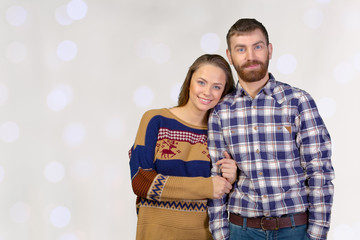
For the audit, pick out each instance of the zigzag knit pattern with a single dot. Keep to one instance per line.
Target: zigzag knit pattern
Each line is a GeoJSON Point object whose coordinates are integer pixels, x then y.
{"type": "Point", "coordinates": [198, 206]}
{"type": "Point", "coordinates": [157, 187]}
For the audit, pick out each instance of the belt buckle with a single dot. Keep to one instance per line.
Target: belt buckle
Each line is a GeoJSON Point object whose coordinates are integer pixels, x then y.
{"type": "Point", "coordinates": [269, 218]}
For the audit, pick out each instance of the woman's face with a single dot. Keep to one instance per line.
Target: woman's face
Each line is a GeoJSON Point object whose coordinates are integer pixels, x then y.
{"type": "Point", "coordinates": [206, 87]}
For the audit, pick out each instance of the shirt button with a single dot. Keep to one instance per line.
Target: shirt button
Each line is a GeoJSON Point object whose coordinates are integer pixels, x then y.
{"type": "Point", "coordinates": [254, 107]}
{"type": "Point", "coordinates": [266, 214]}
{"type": "Point", "coordinates": [257, 151]}
{"type": "Point", "coordinates": [260, 173]}
{"type": "Point", "coordinates": [265, 196]}
{"type": "Point", "coordinates": [279, 128]}
{"type": "Point", "coordinates": [255, 128]}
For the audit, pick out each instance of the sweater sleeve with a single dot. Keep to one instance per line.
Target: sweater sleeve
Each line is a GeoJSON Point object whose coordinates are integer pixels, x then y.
{"type": "Point", "coordinates": [149, 184]}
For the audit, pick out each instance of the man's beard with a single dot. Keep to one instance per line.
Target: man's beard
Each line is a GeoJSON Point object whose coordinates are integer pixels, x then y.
{"type": "Point", "coordinates": [252, 75]}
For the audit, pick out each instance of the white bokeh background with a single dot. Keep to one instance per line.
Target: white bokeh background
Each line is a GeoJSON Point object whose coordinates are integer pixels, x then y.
{"type": "Point", "coordinates": [77, 75]}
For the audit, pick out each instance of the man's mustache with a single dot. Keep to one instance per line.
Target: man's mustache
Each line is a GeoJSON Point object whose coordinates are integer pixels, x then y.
{"type": "Point", "coordinates": [250, 63]}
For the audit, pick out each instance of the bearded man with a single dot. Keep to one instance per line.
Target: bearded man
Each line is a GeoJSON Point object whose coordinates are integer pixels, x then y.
{"type": "Point", "coordinates": [281, 145]}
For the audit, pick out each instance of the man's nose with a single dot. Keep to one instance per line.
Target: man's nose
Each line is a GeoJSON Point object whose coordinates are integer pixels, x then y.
{"type": "Point", "coordinates": [250, 54]}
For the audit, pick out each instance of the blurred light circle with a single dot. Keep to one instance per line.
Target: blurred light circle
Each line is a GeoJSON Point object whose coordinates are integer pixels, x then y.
{"type": "Point", "coordinates": [76, 9]}
{"type": "Point", "coordinates": [16, 52]}
{"type": "Point", "coordinates": [175, 91]}
{"type": "Point", "coordinates": [210, 42]}
{"type": "Point", "coordinates": [60, 216]}
{"type": "Point", "coordinates": [20, 212]}
{"type": "Point", "coordinates": [9, 132]}
{"type": "Point", "coordinates": [115, 128]}
{"type": "Point", "coordinates": [62, 17]}
{"type": "Point", "coordinates": [356, 225]}
{"type": "Point", "coordinates": [4, 93]}
{"type": "Point", "coordinates": [327, 107]}
{"type": "Point", "coordinates": [16, 15]}
{"type": "Point", "coordinates": [143, 96]}
{"type": "Point", "coordinates": [343, 73]}
{"type": "Point", "coordinates": [286, 64]}
{"type": "Point", "coordinates": [313, 18]}
{"type": "Point", "coordinates": [160, 53]}
{"type": "Point", "coordinates": [2, 174]}
{"type": "Point", "coordinates": [74, 134]}
{"type": "Point", "coordinates": [57, 100]}
{"type": "Point", "coordinates": [54, 172]}
{"type": "Point", "coordinates": [60, 97]}
{"type": "Point", "coordinates": [343, 231]}
{"type": "Point", "coordinates": [68, 236]}
{"type": "Point", "coordinates": [67, 50]}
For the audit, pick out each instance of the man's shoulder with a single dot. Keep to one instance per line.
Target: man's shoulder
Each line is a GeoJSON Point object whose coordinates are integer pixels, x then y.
{"type": "Point", "coordinates": [285, 90]}
{"type": "Point", "coordinates": [227, 100]}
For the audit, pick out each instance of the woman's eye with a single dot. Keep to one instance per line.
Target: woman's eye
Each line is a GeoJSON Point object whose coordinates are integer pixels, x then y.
{"type": "Point", "coordinates": [217, 87]}
{"type": "Point", "coordinates": [201, 82]}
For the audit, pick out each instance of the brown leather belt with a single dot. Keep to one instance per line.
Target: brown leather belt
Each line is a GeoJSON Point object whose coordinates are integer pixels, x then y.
{"type": "Point", "coordinates": [270, 223]}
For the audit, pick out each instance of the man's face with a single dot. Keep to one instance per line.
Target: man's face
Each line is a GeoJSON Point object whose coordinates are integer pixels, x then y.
{"type": "Point", "coordinates": [250, 55]}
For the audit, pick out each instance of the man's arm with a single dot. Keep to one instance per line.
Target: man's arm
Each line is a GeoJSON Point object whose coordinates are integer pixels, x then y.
{"type": "Point", "coordinates": [315, 150]}
{"type": "Point", "coordinates": [219, 224]}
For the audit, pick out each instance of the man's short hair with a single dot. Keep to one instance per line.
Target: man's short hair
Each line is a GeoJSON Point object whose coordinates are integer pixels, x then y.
{"type": "Point", "coordinates": [246, 25]}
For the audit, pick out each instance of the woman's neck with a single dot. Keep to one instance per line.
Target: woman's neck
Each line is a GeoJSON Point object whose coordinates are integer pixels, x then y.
{"type": "Point", "coordinates": [189, 115]}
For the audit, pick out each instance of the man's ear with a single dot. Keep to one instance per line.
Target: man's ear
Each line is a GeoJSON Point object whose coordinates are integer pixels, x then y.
{"type": "Point", "coordinates": [270, 48]}
{"type": "Point", "coordinates": [228, 54]}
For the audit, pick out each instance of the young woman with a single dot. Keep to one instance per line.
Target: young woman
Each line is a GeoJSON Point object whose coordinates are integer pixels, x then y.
{"type": "Point", "coordinates": [170, 163]}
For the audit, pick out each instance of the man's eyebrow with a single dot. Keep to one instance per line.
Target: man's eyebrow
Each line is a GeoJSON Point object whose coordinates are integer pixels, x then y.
{"type": "Point", "coordinates": [254, 44]}
{"type": "Point", "coordinates": [261, 41]}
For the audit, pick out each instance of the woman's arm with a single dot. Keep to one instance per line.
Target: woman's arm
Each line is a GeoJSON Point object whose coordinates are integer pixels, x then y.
{"type": "Point", "coordinates": [149, 184]}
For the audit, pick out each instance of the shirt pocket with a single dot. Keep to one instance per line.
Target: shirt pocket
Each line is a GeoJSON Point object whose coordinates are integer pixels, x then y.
{"type": "Point", "coordinates": [277, 140]}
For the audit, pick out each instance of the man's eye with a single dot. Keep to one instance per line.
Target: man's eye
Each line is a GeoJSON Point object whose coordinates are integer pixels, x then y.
{"type": "Point", "coordinates": [258, 47]}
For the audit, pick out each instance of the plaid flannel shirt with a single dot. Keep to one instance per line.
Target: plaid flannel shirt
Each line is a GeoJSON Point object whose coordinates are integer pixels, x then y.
{"type": "Point", "coordinates": [282, 149]}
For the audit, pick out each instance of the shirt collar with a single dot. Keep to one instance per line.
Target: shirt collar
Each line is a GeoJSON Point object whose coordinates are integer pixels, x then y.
{"type": "Point", "coordinates": [268, 89]}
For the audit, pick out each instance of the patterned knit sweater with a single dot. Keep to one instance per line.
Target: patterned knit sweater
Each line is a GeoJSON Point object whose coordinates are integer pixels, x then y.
{"type": "Point", "coordinates": [170, 169]}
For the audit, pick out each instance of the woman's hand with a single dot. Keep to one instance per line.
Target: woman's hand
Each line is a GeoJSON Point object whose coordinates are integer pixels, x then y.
{"type": "Point", "coordinates": [221, 186]}
{"type": "Point", "coordinates": [228, 168]}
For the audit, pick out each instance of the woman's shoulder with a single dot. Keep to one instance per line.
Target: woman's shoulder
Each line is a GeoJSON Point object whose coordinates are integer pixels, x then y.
{"type": "Point", "coordinates": [156, 112]}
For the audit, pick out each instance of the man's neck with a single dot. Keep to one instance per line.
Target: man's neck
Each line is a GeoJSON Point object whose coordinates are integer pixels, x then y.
{"type": "Point", "coordinates": [253, 88]}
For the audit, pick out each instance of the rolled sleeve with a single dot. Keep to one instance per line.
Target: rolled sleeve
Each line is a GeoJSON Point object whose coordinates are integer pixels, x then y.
{"type": "Point", "coordinates": [316, 154]}
{"type": "Point", "coordinates": [217, 208]}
